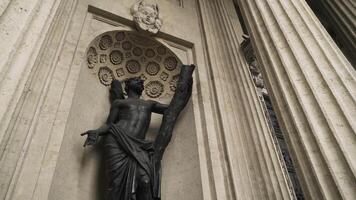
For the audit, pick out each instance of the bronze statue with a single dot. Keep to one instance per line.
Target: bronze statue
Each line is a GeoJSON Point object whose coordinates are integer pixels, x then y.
{"type": "Point", "coordinates": [133, 163]}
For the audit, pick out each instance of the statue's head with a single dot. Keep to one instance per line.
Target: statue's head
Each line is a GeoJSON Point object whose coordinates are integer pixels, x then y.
{"type": "Point", "coordinates": [135, 85]}
{"type": "Point", "coordinates": [148, 14]}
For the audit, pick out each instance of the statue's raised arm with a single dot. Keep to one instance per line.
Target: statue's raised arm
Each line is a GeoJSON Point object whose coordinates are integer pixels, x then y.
{"type": "Point", "coordinates": [170, 116]}
{"type": "Point", "coordinates": [179, 101]}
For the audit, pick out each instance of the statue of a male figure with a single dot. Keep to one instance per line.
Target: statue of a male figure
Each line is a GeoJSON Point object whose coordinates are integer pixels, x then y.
{"type": "Point", "coordinates": [133, 163]}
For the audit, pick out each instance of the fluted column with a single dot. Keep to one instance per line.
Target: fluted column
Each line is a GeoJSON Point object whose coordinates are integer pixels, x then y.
{"type": "Point", "coordinates": [253, 169]}
{"type": "Point", "coordinates": [340, 16]}
{"type": "Point", "coordinates": [313, 88]}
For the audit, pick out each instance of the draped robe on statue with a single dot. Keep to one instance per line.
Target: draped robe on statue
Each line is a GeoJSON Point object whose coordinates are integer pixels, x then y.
{"type": "Point", "coordinates": [123, 156]}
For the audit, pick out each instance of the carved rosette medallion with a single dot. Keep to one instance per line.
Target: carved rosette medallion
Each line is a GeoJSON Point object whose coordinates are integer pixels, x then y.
{"type": "Point", "coordinates": [105, 75]}
{"type": "Point", "coordinates": [152, 68]}
{"type": "Point", "coordinates": [116, 57]}
{"type": "Point", "coordinates": [154, 89]}
{"type": "Point", "coordinates": [170, 63]}
{"type": "Point", "coordinates": [161, 50]}
{"type": "Point", "coordinates": [133, 66]}
{"type": "Point", "coordinates": [92, 57]}
{"type": "Point", "coordinates": [146, 17]}
{"type": "Point", "coordinates": [120, 36]}
{"type": "Point", "coordinates": [105, 42]}
{"type": "Point", "coordinates": [150, 53]}
{"type": "Point", "coordinates": [122, 54]}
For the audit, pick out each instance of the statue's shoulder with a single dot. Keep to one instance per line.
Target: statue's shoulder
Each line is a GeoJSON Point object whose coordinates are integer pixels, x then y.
{"type": "Point", "coordinates": [117, 102]}
{"type": "Point", "coordinates": [152, 102]}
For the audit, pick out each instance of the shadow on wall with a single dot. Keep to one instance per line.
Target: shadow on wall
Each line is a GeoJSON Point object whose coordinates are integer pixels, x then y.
{"type": "Point", "coordinates": [100, 175]}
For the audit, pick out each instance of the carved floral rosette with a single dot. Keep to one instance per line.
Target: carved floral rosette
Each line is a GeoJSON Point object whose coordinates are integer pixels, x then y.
{"type": "Point", "coordinates": [123, 54]}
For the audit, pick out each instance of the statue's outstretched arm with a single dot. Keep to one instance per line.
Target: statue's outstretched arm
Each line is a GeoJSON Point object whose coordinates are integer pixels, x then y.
{"type": "Point", "coordinates": [93, 135]}
{"type": "Point", "coordinates": [116, 94]}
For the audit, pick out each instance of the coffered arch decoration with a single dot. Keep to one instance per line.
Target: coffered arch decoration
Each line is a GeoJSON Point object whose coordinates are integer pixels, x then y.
{"type": "Point", "coordinates": [124, 54]}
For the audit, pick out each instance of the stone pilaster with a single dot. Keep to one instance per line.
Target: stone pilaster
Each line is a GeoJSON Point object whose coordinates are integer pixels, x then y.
{"type": "Point", "coordinates": [32, 32]}
{"type": "Point", "coordinates": [313, 88]}
{"type": "Point", "coordinates": [22, 25]}
{"type": "Point", "coordinates": [253, 170]}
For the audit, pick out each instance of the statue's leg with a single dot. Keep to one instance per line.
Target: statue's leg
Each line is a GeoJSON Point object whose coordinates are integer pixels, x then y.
{"type": "Point", "coordinates": [118, 168]}
{"type": "Point", "coordinates": [144, 186]}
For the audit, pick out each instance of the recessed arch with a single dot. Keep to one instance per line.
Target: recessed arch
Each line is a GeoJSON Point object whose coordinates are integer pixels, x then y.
{"type": "Point", "coordinates": [125, 54]}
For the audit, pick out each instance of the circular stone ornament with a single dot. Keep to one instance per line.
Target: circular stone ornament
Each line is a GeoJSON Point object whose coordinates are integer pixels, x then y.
{"type": "Point", "coordinates": [152, 68]}
{"type": "Point", "coordinates": [105, 42]}
{"type": "Point", "coordinates": [116, 57]}
{"type": "Point", "coordinates": [161, 50]}
{"type": "Point", "coordinates": [92, 57]}
{"type": "Point", "coordinates": [120, 36]}
{"type": "Point", "coordinates": [133, 66]}
{"type": "Point", "coordinates": [170, 63]}
{"type": "Point", "coordinates": [150, 53]}
{"type": "Point", "coordinates": [154, 89]}
{"type": "Point", "coordinates": [105, 75]}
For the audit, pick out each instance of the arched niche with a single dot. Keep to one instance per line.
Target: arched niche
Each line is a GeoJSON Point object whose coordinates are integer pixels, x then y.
{"type": "Point", "coordinates": [79, 173]}
{"type": "Point", "coordinates": [125, 54]}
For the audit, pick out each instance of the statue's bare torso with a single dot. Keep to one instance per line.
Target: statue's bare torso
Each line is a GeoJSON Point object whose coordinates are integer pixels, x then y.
{"type": "Point", "coordinates": [134, 116]}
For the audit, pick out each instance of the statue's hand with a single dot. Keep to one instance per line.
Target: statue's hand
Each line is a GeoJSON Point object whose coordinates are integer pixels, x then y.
{"type": "Point", "coordinates": [92, 137]}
